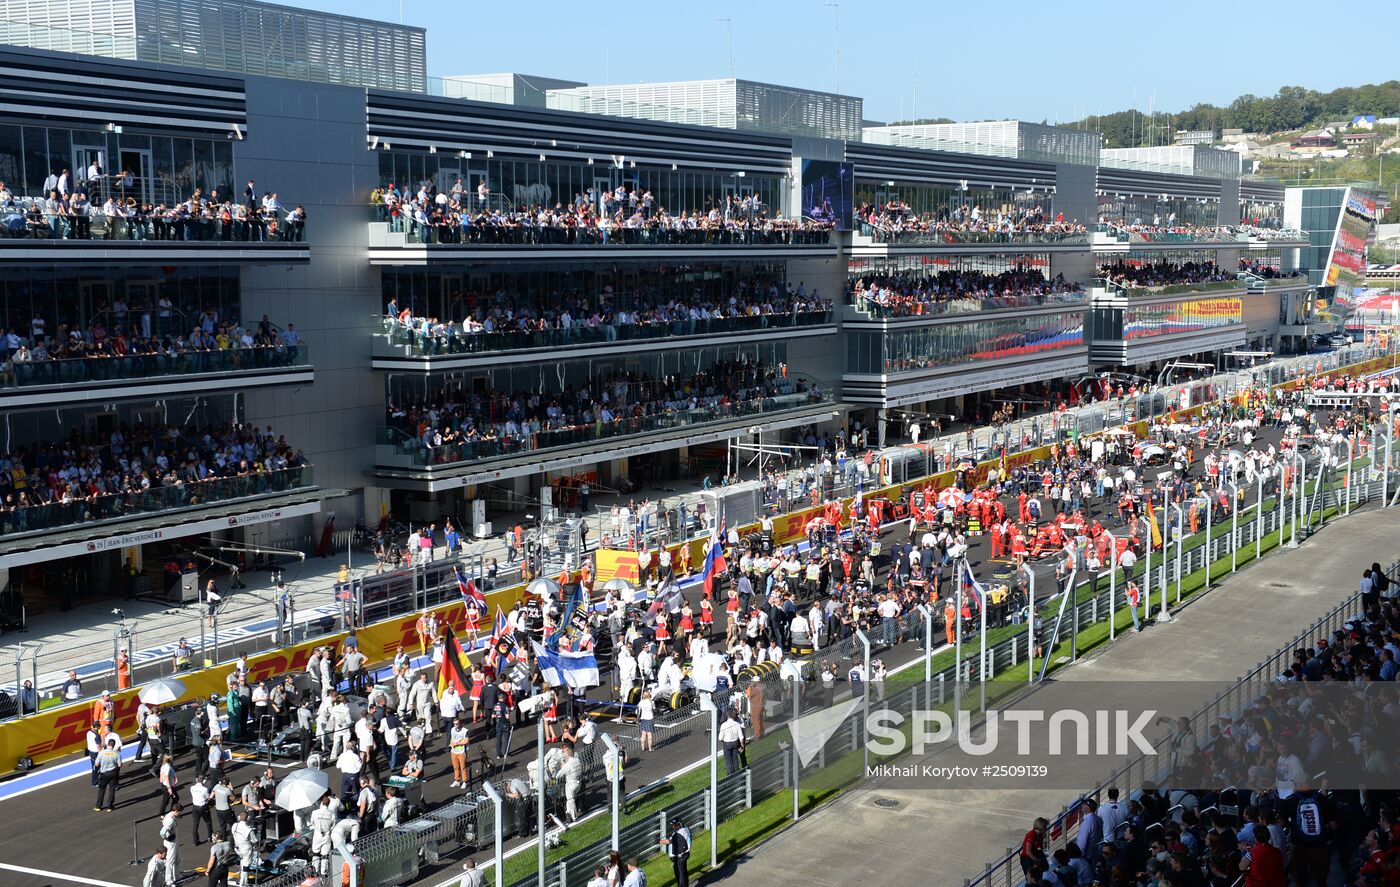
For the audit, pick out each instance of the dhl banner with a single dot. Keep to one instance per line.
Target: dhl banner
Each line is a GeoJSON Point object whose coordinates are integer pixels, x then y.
{"type": "Point", "coordinates": [54, 733]}
{"type": "Point", "coordinates": [613, 563]}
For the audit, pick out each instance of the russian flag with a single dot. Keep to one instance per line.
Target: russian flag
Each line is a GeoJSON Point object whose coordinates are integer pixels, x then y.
{"type": "Point", "coordinates": [471, 595]}
{"type": "Point", "coordinates": [714, 560]}
{"type": "Point", "coordinates": [971, 586]}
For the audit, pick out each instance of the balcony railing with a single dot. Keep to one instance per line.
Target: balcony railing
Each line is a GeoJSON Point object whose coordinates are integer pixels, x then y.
{"type": "Point", "coordinates": [965, 305]}
{"type": "Point", "coordinates": [88, 370]}
{"type": "Point", "coordinates": [958, 238]}
{"type": "Point", "coordinates": [418, 454]}
{"type": "Point", "coordinates": [1173, 289]}
{"type": "Point", "coordinates": [153, 501]}
{"type": "Point", "coordinates": [513, 234]}
{"type": "Point", "coordinates": [19, 221]}
{"type": "Point", "coordinates": [458, 342]}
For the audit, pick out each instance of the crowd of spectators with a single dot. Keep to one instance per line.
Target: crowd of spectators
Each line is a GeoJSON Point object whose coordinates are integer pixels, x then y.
{"type": "Point", "coordinates": [1164, 273]}
{"type": "Point", "coordinates": [1274, 795]}
{"type": "Point", "coordinates": [960, 223]}
{"type": "Point", "coordinates": [111, 208]}
{"type": "Point", "coordinates": [619, 215]}
{"type": "Point", "coordinates": [104, 471]}
{"type": "Point", "coordinates": [949, 292]}
{"type": "Point", "coordinates": [1267, 271]}
{"type": "Point", "coordinates": [101, 350]}
{"type": "Point", "coordinates": [622, 404]}
{"type": "Point", "coordinates": [578, 316]}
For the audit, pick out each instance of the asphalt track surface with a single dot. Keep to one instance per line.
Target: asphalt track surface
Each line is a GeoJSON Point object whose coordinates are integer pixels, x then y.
{"type": "Point", "coordinates": [53, 829]}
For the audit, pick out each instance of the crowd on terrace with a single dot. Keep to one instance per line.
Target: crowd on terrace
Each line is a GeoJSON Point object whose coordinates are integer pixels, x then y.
{"type": "Point", "coordinates": [951, 223]}
{"type": "Point", "coordinates": [104, 471]}
{"type": "Point", "coordinates": [1134, 275]}
{"type": "Point", "coordinates": [111, 208]}
{"type": "Point", "coordinates": [627, 403]}
{"type": "Point", "coordinates": [576, 315]}
{"type": "Point", "coordinates": [1270, 797]}
{"type": "Point", "coordinates": [955, 291]}
{"type": "Point", "coordinates": [620, 215]}
{"type": "Point", "coordinates": [116, 334]}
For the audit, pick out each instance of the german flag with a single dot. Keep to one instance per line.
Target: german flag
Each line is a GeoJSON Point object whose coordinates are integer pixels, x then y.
{"type": "Point", "coordinates": [454, 664]}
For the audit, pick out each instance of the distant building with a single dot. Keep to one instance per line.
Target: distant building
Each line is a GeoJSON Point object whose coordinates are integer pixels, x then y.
{"type": "Point", "coordinates": [994, 138]}
{"type": "Point", "coordinates": [1316, 140]}
{"type": "Point", "coordinates": [1194, 136]}
{"type": "Point", "coordinates": [505, 89]}
{"type": "Point", "coordinates": [1360, 139]}
{"type": "Point", "coordinates": [1363, 121]}
{"type": "Point", "coordinates": [727, 104]}
{"type": "Point", "coordinates": [242, 36]}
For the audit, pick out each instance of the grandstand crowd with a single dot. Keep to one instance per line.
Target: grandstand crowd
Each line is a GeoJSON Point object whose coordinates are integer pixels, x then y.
{"type": "Point", "coordinates": [71, 210]}
{"type": "Point", "coordinates": [628, 403]}
{"type": "Point", "coordinates": [505, 320]}
{"type": "Point", "coordinates": [950, 292]}
{"type": "Point", "coordinates": [617, 216]}
{"type": "Point", "coordinates": [1132, 275]}
{"type": "Point", "coordinates": [895, 220]}
{"type": "Point", "coordinates": [103, 473]}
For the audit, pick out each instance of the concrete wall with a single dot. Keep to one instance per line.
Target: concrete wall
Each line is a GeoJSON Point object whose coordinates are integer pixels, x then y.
{"type": "Point", "coordinates": [1229, 202]}
{"type": "Point", "coordinates": [307, 142]}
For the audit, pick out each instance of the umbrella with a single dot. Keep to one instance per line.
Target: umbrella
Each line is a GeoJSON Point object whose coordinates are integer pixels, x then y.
{"type": "Point", "coordinates": [1148, 452]}
{"type": "Point", "coordinates": [544, 587]}
{"type": "Point", "coordinates": [617, 583]}
{"type": "Point", "coordinates": [162, 691]}
{"type": "Point", "coordinates": [302, 789]}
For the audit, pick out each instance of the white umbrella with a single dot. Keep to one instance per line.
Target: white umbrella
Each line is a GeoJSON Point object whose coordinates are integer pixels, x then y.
{"type": "Point", "coordinates": [544, 587]}
{"type": "Point", "coordinates": [162, 691]}
{"type": "Point", "coordinates": [302, 789]}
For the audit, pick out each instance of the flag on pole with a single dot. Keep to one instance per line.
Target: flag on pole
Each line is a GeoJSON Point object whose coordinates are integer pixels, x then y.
{"type": "Point", "coordinates": [453, 669]}
{"type": "Point", "coordinates": [714, 560]}
{"type": "Point", "coordinates": [1156, 531]}
{"type": "Point", "coordinates": [471, 595]}
{"type": "Point", "coordinates": [577, 669]}
{"type": "Point", "coordinates": [575, 600]}
{"type": "Point", "coordinates": [971, 585]}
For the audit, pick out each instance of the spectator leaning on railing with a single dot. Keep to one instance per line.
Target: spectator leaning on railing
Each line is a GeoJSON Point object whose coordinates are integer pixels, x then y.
{"type": "Point", "coordinates": [606, 406]}
{"type": "Point", "coordinates": [59, 214]}
{"type": "Point", "coordinates": [505, 314]}
{"type": "Point", "coordinates": [896, 219]}
{"type": "Point", "coordinates": [1164, 273]}
{"type": "Point", "coordinates": [907, 294]}
{"type": "Point", "coordinates": [131, 460]}
{"type": "Point", "coordinates": [618, 216]}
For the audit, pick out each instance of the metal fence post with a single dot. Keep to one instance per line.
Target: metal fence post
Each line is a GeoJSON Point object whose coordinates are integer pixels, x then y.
{"type": "Point", "coordinates": [499, 825]}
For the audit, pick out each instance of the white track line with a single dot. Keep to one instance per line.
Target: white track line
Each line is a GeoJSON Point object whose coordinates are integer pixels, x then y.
{"type": "Point", "coordinates": [74, 878]}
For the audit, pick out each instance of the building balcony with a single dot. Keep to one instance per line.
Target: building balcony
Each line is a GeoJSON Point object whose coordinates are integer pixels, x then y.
{"type": "Point", "coordinates": [970, 308]}
{"type": "Point", "coordinates": [31, 383]}
{"type": "Point", "coordinates": [401, 456]}
{"type": "Point", "coordinates": [105, 512]}
{"type": "Point", "coordinates": [870, 242]}
{"type": "Point", "coordinates": [400, 348]}
{"type": "Point", "coordinates": [402, 242]}
{"type": "Point", "coordinates": [29, 238]}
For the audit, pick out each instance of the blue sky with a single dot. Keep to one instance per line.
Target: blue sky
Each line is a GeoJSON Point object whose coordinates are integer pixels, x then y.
{"type": "Point", "coordinates": [974, 60]}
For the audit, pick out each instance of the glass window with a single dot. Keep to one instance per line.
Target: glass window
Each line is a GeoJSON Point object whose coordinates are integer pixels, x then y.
{"type": "Point", "coordinates": [37, 164]}
{"type": "Point", "coordinates": [12, 159]}
{"type": "Point", "coordinates": [1198, 315]}
{"type": "Point", "coordinates": [953, 344]}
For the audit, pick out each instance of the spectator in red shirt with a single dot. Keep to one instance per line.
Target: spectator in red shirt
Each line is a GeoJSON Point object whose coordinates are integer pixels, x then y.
{"type": "Point", "coordinates": [1264, 865]}
{"type": "Point", "coordinates": [1033, 846]}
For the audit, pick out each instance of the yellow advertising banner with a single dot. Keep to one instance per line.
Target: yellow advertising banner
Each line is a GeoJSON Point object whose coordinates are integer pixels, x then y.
{"type": "Point", "coordinates": [615, 563]}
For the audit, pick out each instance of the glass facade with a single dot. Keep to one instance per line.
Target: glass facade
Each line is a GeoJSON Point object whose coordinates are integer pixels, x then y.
{"type": "Point", "coordinates": [242, 36]}
{"type": "Point", "coordinates": [1134, 209]}
{"type": "Point", "coordinates": [954, 344]}
{"type": "Point", "coordinates": [51, 302]}
{"type": "Point", "coordinates": [1195, 316]}
{"type": "Point", "coordinates": [940, 202]}
{"type": "Point", "coordinates": [164, 169]}
{"type": "Point", "coordinates": [995, 138]}
{"type": "Point", "coordinates": [523, 182]}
